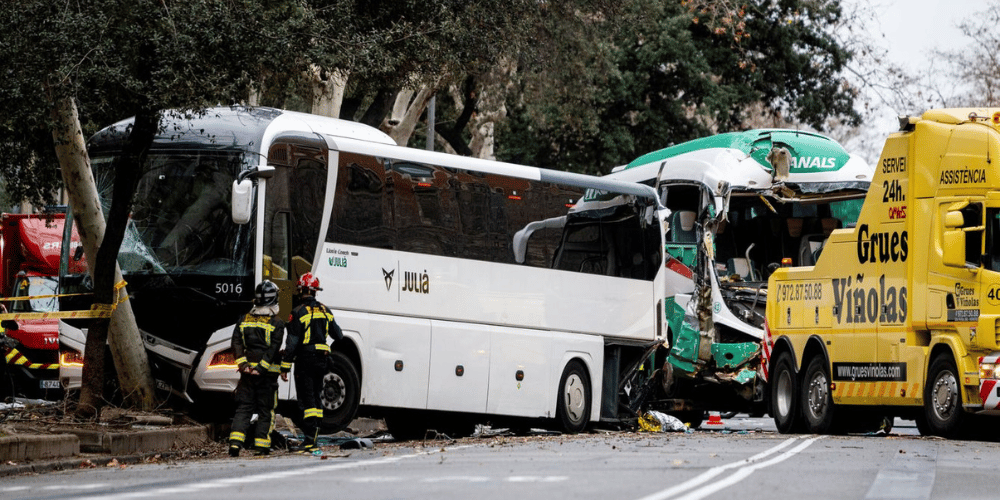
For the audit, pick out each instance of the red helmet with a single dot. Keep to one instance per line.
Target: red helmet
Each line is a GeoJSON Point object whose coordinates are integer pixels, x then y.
{"type": "Point", "coordinates": [309, 281]}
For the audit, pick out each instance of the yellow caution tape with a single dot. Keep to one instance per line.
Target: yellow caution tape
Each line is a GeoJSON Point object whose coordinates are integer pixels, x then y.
{"type": "Point", "coordinates": [96, 310]}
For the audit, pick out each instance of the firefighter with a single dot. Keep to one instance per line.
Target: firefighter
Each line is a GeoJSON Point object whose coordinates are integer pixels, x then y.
{"type": "Point", "coordinates": [256, 341]}
{"type": "Point", "coordinates": [308, 327]}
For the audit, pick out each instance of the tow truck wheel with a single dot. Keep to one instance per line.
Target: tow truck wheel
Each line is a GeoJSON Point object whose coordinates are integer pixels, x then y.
{"type": "Point", "coordinates": [943, 399]}
{"type": "Point", "coordinates": [573, 406]}
{"type": "Point", "coordinates": [817, 400]}
{"type": "Point", "coordinates": [785, 396]}
{"type": "Point", "coordinates": [341, 393]}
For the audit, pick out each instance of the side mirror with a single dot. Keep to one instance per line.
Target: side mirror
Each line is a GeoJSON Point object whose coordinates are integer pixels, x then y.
{"type": "Point", "coordinates": [242, 201]}
{"type": "Point", "coordinates": [242, 196]}
{"type": "Point", "coordinates": [954, 248]}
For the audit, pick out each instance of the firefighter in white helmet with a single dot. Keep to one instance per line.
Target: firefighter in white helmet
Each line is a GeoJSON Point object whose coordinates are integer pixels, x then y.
{"type": "Point", "coordinates": [256, 343]}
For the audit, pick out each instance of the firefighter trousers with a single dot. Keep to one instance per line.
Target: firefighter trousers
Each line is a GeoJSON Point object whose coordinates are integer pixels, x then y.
{"type": "Point", "coordinates": [310, 368]}
{"type": "Point", "coordinates": [255, 394]}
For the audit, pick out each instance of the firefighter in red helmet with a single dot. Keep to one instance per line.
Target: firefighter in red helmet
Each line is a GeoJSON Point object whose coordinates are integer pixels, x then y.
{"type": "Point", "coordinates": [308, 327]}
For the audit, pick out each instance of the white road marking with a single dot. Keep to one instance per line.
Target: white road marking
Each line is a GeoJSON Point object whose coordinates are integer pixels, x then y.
{"type": "Point", "coordinates": [910, 478]}
{"type": "Point", "coordinates": [462, 479]}
{"type": "Point", "coordinates": [537, 479]}
{"type": "Point", "coordinates": [745, 466]}
{"type": "Point", "coordinates": [256, 478]}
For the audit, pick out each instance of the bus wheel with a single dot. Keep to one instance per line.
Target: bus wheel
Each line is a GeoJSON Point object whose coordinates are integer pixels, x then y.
{"type": "Point", "coordinates": [573, 406]}
{"type": "Point", "coordinates": [817, 401]}
{"type": "Point", "coordinates": [785, 396]}
{"type": "Point", "coordinates": [341, 393]}
{"type": "Point", "coordinates": [942, 399]}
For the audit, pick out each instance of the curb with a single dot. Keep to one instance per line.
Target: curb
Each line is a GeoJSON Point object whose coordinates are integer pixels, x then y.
{"type": "Point", "coordinates": [128, 443]}
{"type": "Point", "coordinates": [23, 447]}
{"type": "Point", "coordinates": [47, 452]}
{"type": "Point", "coordinates": [79, 462]}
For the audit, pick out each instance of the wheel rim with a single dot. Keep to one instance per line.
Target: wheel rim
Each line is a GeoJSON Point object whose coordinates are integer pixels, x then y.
{"type": "Point", "coordinates": [784, 396]}
{"type": "Point", "coordinates": [334, 391]}
{"type": "Point", "coordinates": [944, 396]}
{"type": "Point", "coordinates": [576, 400]}
{"type": "Point", "coordinates": [816, 395]}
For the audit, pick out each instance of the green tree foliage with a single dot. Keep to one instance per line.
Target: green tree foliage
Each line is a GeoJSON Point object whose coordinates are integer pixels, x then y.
{"type": "Point", "coordinates": [117, 57]}
{"type": "Point", "coordinates": [111, 59]}
{"type": "Point", "coordinates": [384, 46]}
{"type": "Point", "coordinates": [667, 72]}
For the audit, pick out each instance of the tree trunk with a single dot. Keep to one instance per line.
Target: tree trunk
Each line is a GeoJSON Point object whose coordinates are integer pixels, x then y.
{"type": "Point", "coordinates": [380, 106]}
{"type": "Point", "coordinates": [126, 345]}
{"type": "Point", "coordinates": [406, 114]}
{"type": "Point", "coordinates": [328, 91]}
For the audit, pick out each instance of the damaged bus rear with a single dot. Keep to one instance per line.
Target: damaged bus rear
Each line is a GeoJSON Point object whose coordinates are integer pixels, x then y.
{"type": "Point", "coordinates": [739, 204]}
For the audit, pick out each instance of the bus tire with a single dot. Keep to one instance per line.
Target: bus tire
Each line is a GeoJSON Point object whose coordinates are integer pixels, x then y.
{"type": "Point", "coordinates": [785, 396]}
{"type": "Point", "coordinates": [573, 405]}
{"type": "Point", "coordinates": [817, 400]}
{"type": "Point", "coordinates": [341, 393]}
{"type": "Point", "coordinates": [943, 398]}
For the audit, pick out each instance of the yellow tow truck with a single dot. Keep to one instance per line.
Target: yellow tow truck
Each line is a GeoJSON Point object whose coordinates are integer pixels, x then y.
{"type": "Point", "coordinates": [899, 315]}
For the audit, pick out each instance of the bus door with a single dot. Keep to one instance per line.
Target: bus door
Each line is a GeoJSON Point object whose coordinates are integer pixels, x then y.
{"type": "Point", "coordinates": [291, 222]}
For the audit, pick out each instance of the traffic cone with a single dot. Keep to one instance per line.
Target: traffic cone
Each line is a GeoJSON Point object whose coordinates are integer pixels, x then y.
{"type": "Point", "coordinates": [714, 419]}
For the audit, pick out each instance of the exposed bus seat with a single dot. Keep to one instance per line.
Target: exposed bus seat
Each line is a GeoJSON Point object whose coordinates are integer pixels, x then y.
{"type": "Point", "coordinates": [809, 248]}
{"type": "Point", "coordinates": [794, 226]}
{"type": "Point", "coordinates": [829, 224]}
{"type": "Point", "coordinates": [743, 268]}
{"type": "Point", "coordinates": [682, 227]}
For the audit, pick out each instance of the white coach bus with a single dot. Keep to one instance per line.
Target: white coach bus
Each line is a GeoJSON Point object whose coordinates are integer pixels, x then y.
{"type": "Point", "coordinates": [458, 301]}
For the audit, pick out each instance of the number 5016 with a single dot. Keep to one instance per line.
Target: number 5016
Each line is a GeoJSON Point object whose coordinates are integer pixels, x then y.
{"type": "Point", "coordinates": [229, 288]}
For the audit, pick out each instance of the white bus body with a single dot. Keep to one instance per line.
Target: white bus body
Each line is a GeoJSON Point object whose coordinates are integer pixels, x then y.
{"type": "Point", "coordinates": [415, 252]}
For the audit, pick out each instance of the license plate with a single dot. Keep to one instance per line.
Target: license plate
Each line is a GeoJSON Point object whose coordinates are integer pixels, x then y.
{"type": "Point", "coordinates": [50, 384]}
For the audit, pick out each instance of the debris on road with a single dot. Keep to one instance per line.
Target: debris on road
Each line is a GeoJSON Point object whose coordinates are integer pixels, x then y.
{"type": "Point", "coordinates": [654, 421]}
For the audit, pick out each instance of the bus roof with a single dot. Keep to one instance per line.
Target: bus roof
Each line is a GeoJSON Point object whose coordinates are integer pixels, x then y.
{"type": "Point", "coordinates": [817, 163]}
{"type": "Point", "coordinates": [757, 143]}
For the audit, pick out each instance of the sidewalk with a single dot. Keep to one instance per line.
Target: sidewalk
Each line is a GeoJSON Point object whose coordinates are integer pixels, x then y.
{"type": "Point", "coordinates": [68, 448]}
{"type": "Point", "coordinates": [63, 447]}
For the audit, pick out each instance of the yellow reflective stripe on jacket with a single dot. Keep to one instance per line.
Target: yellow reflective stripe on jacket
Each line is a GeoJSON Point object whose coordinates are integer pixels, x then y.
{"type": "Point", "coordinates": [307, 319]}
{"type": "Point", "coordinates": [240, 361]}
{"type": "Point", "coordinates": [313, 413]}
{"type": "Point", "coordinates": [267, 327]}
{"type": "Point", "coordinates": [321, 347]}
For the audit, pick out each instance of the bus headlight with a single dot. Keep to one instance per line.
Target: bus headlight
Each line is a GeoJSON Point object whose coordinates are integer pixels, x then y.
{"type": "Point", "coordinates": [71, 358]}
{"type": "Point", "coordinates": [223, 360]}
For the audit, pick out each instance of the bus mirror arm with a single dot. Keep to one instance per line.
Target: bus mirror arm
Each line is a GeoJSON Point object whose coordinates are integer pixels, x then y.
{"type": "Point", "coordinates": [263, 172]}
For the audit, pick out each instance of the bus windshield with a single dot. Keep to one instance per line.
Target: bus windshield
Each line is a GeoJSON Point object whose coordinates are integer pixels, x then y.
{"type": "Point", "coordinates": [180, 221]}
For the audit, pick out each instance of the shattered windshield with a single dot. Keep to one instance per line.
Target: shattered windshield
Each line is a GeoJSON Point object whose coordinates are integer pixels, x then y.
{"type": "Point", "coordinates": [180, 221]}
{"type": "Point", "coordinates": [43, 287]}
